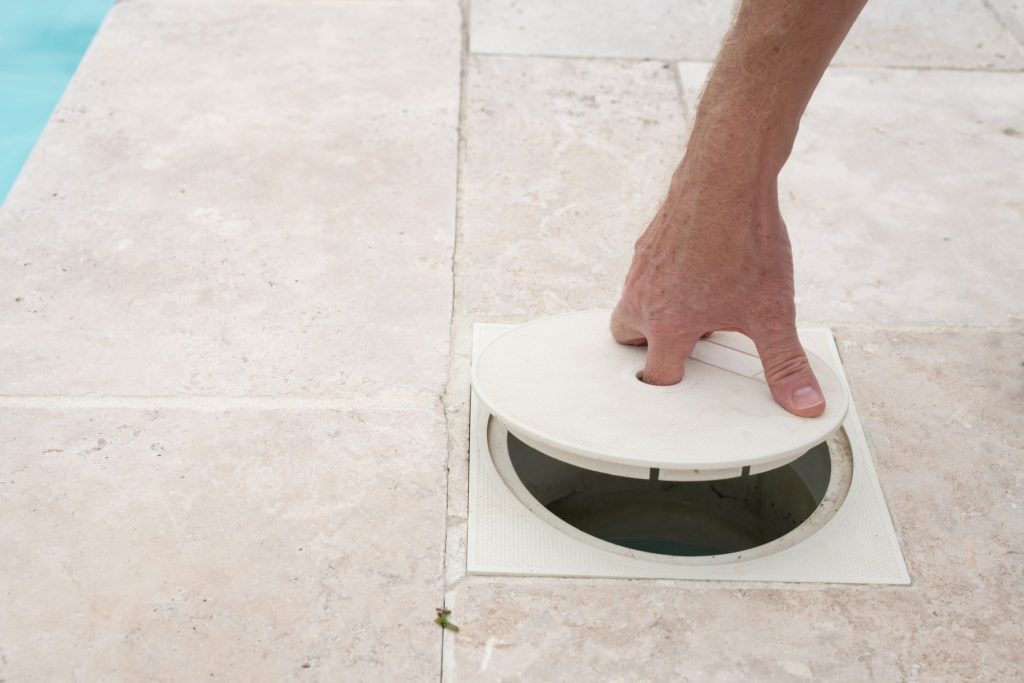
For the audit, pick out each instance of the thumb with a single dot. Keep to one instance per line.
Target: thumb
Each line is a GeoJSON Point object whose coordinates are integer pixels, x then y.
{"type": "Point", "coordinates": [788, 372]}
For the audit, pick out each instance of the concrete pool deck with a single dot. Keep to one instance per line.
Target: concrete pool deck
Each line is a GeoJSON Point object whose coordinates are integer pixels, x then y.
{"type": "Point", "coordinates": [239, 275]}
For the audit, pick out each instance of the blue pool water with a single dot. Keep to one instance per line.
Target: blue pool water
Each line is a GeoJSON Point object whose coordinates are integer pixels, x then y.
{"type": "Point", "coordinates": [41, 43]}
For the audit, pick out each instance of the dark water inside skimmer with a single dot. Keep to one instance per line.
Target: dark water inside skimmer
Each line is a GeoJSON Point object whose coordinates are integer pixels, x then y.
{"type": "Point", "coordinates": [677, 518]}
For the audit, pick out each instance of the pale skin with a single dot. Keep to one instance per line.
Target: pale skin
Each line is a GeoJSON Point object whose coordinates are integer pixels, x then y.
{"type": "Point", "coordinates": [717, 255]}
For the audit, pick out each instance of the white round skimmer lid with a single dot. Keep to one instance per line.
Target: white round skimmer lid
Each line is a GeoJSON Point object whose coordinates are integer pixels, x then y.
{"type": "Point", "coordinates": [563, 386]}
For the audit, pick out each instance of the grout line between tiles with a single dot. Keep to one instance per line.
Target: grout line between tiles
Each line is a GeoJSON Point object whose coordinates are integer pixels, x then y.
{"type": "Point", "coordinates": [1014, 324]}
{"type": "Point", "coordinates": [947, 68]}
{"type": "Point", "coordinates": [681, 94]}
{"type": "Point", "coordinates": [464, 8]}
{"type": "Point", "coordinates": [287, 3]}
{"type": "Point", "coordinates": [673, 60]}
{"type": "Point", "coordinates": [585, 58]}
{"type": "Point", "coordinates": [687, 585]}
{"type": "Point", "coordinates": [1006, 27]}
{"type": "Point", "coordinates": [401, 402]}
{"type": "Point", "coordinates": [1010, 326]}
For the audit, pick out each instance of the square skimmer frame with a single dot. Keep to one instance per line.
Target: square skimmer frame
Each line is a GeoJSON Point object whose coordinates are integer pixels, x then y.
{"type": "Point", "coordinates": [858, 544]}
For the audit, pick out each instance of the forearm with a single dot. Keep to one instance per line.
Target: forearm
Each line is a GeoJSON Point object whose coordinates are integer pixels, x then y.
{"type": "Point", "coordinates": [768, 67]}
{"type": "Point", "coordinates": [716, 256]}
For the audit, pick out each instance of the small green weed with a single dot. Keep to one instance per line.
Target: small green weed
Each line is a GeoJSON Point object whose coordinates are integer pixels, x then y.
{"type": "Point", "coordinates": [442, 620]}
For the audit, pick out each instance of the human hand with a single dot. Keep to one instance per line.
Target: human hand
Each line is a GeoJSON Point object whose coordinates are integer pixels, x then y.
{"type": "Point", "coordinates": [717, 257]}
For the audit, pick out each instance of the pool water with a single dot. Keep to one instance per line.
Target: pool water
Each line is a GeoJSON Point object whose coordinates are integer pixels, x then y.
{"type": "Point", "coordinates": [41, 43]}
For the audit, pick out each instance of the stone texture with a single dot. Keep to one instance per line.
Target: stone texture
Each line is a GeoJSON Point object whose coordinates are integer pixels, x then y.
{"type": "Point", "coordinates": [240, 199]}
{"type": "Point", "coordinates": [565, 163]}
{"type": "Point", "coordinates": [949, 33]}
{"type": "Point", "coordinates": [897, 197]}
{"type": "Point", "coordinates": [240, 546]}
{"type": "Point", "coordinates": [251, 205]}
{"type": "Point", "coordinates": [894, 195]}
{"type": "Point", "coordinates": [1011, 12]}
{"type": "Point", "coordinates": [659, 29]}
{"type": "Point", "coordinates": [961, 34]}
{"type": "Point", "coordinates": [943, 410]}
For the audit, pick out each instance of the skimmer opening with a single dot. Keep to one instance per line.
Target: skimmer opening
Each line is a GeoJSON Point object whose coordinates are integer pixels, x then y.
{"type": "Point", "coordinates": [684, 518]}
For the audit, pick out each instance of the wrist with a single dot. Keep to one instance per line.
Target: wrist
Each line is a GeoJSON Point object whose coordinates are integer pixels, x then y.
{"type": "Point", "coordinates": [740, 141]}
{"type": "Point", "coordinates": [736, 195]}
{"type": "Point", "coordinates": [728, 168]}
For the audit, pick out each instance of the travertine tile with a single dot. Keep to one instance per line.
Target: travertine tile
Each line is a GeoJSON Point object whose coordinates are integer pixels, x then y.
{"type": "Point", "coordinates": [961, 34]}
{"type": "Point", "coordinates": [456, 407]}
{"type": "Point", "coordinates": [899, 200]}
{"type": "Point", "coordinates": [240, 199]}
{"type": "Point", "coordinates": [565, 163]}
{"type": "Point", "coordinates": [943, 412]}
{"type": "Point", "coordinates": [954, 33]}
{"type": "Point", "coordinates": [240, 546]}
{"type": "Point", "coordinates": [660, 29]}
{"type": "Point", "coordinates": [1011, 12]}
{"type": "Point", "coordinates": [895, 193]}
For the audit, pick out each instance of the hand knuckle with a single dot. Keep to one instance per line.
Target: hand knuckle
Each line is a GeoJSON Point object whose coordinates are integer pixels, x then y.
{"type": "Point", "coordinates": [785, 367]}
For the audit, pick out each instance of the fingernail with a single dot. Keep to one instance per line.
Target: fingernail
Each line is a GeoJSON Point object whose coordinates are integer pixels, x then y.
{"type": "Point", "coordinates": [807, 397]}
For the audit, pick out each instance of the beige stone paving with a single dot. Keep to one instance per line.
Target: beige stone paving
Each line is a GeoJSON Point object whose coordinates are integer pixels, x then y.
{"type": "Point", "coordinates": [181, 381]}
{"type": "Point", "coordinates": [564, 162]}
{"type": "Point", "coordinates": [907, 33]}
{"type": "Point", "coordinates": [897, 200]}
{"type": "Point", "coordinates": [259, 201]}
{"type": "Point", "coordinates": [241, 216]}
{"type": "Point", "coordinates": [171, 545]}
{"type": "Point", "coordinates": [1011, 13]}
{"type": "Point", "coordinates": [605, 28]}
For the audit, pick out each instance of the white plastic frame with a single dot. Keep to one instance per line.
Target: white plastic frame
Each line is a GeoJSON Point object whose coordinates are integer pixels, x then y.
{"type": "Point", "coordinates": [856, 544]}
